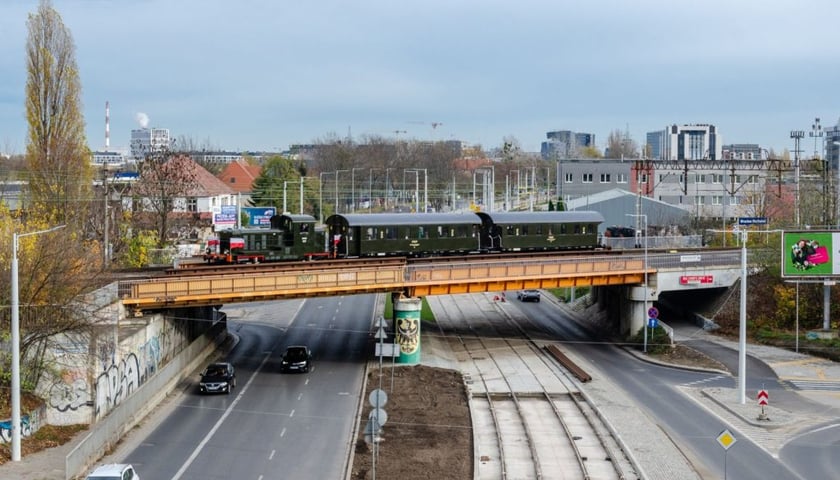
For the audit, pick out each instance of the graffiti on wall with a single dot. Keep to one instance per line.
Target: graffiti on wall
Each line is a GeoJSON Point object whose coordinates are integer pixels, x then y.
{"type": "Point", "coordinates": [69, 396]}
{"type": "Point", "coordinates": [29, 424]}
{"type": "Point", "coordinates": [116, 383]}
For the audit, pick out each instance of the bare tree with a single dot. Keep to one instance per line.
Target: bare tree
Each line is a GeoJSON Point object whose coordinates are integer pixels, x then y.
{"type": "Point", "coordinates": [56, 153]}
{"type": "Point", "coordinates": [165, 179]}
{"type": "Point", "coordinates": [620, 145]}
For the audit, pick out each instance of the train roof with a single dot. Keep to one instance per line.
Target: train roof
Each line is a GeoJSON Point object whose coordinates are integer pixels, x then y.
{"type": "Point", "coordinates": [542, 217]}
{"type": "Point", "coordinates": [297, 218]}
{"type": "Point", "coordinates": [383, 219]}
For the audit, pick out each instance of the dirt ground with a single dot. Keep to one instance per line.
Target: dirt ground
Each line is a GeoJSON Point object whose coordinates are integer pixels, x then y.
{"type": "Point", "coordinates": [46, 437]}
{"type": "Point", "coordinates": [427, 434]}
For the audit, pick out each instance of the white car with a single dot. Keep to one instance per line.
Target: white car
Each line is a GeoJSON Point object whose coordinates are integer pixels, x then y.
{"type": "Point", "coordinates": [114, 471]}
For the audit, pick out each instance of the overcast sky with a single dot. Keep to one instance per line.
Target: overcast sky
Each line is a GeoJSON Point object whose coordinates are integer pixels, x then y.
{"type": "Point", "coordinates": [264, 74]}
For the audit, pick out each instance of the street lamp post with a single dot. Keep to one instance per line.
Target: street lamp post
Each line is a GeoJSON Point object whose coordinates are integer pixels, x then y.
{"type": "Point", "coordinates": [642, 216]}
{"type": "Point", "coordinates": [370, 189]}
{"type": "Point", "coordinates": [353, 188]}
{"type": "Point", "coordinates": [321, 195]}
{"type": "Point", "coordinates": [796, 135]}
{"type": "Point", "coordinates": [336, 188]}
{"type": "Point", "coordinates": [816, 132]}
{"type": "Point", "coordinates": [837, 187]}
{"type": "Point", "coordinates": [16, 342]}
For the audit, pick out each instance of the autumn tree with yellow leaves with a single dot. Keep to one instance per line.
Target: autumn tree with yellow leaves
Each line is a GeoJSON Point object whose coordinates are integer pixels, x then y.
{"type": "Point", "coordinates": [57, 267]}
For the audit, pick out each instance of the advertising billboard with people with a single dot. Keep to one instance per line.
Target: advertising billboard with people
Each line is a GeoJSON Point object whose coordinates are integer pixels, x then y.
{"type": "Point", "coordinates": [810, 253]}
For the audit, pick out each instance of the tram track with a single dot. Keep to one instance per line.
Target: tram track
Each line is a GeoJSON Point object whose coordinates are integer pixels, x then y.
{"type": "Point", "coordinates": [528, 400]}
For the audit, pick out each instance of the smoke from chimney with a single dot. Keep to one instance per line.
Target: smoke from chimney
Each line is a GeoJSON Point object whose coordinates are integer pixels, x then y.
{"type": "Point", "coordinates": [142, 119]}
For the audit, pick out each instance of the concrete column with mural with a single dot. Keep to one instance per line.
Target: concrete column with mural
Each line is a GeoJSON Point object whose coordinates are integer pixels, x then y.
{"type": "Point", "coordinates": [407, 327]}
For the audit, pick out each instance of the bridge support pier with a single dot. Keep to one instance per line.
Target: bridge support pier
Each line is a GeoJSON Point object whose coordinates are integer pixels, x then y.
{"type": "Point", "coordinates": [638, 307]}
{"type": "Point", "coordinates": [407, 327]}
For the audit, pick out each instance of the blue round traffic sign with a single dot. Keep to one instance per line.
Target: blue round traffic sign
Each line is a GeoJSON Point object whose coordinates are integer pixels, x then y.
{"type": "Point", "coordinates": [653, 312]}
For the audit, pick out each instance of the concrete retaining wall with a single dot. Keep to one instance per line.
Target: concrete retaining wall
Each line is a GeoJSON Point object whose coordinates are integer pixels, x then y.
{"type": "Point", "coordinates": [122, 418]}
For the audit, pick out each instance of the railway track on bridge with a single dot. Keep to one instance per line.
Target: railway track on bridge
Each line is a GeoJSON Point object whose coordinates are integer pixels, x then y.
{"type": "Point", "coordinates": [543, 427]}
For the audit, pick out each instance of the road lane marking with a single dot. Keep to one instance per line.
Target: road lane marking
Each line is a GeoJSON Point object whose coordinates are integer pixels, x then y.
{"type": "Point", "coordinates": [218, 424]}
{"type": "Point", "coordinates": [272, 454]}
{"type": "Point", "coordinates": [283, 432]}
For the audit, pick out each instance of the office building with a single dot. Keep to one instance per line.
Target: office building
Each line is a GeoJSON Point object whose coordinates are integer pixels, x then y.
{"type": "Point", "coordinates": [148, 140]}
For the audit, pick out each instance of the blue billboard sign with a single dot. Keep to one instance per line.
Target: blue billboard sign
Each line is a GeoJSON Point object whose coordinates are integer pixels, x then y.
{"type": "Point", "coordinates": [259, 216]}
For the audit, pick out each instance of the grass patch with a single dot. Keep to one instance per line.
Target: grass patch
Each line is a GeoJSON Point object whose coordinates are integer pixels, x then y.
{"type": "Point", "coordinates": [426, 314]}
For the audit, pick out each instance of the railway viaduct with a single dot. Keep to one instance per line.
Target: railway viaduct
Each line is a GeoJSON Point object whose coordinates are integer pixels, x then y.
{"type": "Point", "coordinates": [628, 281]}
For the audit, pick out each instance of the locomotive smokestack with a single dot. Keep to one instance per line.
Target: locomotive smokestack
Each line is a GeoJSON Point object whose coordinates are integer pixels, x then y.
{"type": "Point", "coordinates": [107, 125]}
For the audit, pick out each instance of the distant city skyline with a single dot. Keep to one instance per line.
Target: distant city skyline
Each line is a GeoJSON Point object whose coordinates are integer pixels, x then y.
{"type": "Point", "coordinates": [266, 75]}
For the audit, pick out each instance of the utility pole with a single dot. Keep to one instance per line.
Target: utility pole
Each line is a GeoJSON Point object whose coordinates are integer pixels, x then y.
{"type": "Point", "coordinates": [796, 135]}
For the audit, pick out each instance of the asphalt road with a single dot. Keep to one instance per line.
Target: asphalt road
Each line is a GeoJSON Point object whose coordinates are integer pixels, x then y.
{"type": "Point", "coordinates": [693, 428]}
{"type": "Point", "coordinates": [273, 425]}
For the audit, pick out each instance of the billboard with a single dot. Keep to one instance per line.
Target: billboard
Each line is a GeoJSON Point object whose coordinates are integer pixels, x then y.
{"type": "Point", "coordinates": [225, 218]}
{"type": "Point", "coordinates": [810, 253]}
{"type": "Point", "coordinates": [258, 216]}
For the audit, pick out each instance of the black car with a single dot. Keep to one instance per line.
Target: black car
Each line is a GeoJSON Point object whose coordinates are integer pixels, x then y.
{"type": "Point", "coordinates": [528, 296]}
{"type": "Point", "coordinates": [217, 378]}
{"type": "Point", "coordinates": [297, 358]}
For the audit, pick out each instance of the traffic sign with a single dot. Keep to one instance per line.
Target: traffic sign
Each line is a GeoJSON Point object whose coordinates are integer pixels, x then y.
{"type": "Point", "coordinates": [752, 221]}
{"type": "Point", "coordinates": [763, 397]}
{"type": "Point", "coordinates": [726, 439]}
{"type": "Point", "coordinates": [653, 312]}
{"type": "Point", "coordinates": [652, 323]}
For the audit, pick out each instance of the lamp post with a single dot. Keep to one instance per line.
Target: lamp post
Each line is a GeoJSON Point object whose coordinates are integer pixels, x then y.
{"type": "Point", "coordinates": [353, 188]}
{"type": "Point", "coordinates": [16, 342]}
{"type": "Point", "coordinates": [642, 216]}
{"type": "Point", "coordinates": [336, 188]}
{"type": "Point", "coordinates": [321, 195]}
{"type": "Point", "coordinates": [816, 132]}
{"type": "Point", "coordinates": [796, 135]}
{"type": "Point", "coordinates": [370, 189]}
{"type": "Point", "coordinates": [837, 187]}
{"type": "Point", "coordinates": [742, 329]}
{"type": "Point", "coordinates": [417, 187]}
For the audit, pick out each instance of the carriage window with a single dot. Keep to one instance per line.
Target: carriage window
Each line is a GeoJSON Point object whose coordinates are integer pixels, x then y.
{"type": "Point", "coordinates": [442, 232]}
{"type": "Point", "coordinates": [538, 229]}
{"type": "Point", "coordinates": [422, 232]}
{"type": "Point", "coordinates": [562, 229]}
{"type": "Point", "coordinates": [577, 228]}
{"type": "Point", "coordinates": [510, 230]}
{"type": "Point", "coordinates": [304, 228]}
{"type": "Point", "coordinates": [524, 229]}
{"type": "Point", "coordinates": [369, 233]}
{"type": "Point", "coordinates": [391, 233]}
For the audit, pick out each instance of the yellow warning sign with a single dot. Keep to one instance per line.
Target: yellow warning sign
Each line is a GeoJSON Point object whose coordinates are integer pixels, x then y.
{"type": "Point", "coordinates": [726, 439]}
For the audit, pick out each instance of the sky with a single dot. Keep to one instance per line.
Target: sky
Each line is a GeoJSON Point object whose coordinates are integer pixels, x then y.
{"type": "Point", "coordinates": [261, 75]}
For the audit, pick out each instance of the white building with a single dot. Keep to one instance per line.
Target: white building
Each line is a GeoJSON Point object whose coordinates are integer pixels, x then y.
{"type": "Point", "coordinates": [147, 140]}
{"type": "Point", "coordinates": [693, 142]}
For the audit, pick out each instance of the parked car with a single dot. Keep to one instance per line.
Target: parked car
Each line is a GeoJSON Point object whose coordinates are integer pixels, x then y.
{"type": "Point", "coordinates": [297, 358]}
{"type": "Point", "coordinates": [217, 378]}
{"type": "Point", "coordinates": [528, 295]}
{"type": "Point", "coordinates": [114, 471]}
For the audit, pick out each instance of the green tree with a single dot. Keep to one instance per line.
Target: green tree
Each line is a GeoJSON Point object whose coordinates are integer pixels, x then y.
{"type": "Point", "coordinates": [268, 188]}
{"type": "Point", "coordinates": [56, 152]}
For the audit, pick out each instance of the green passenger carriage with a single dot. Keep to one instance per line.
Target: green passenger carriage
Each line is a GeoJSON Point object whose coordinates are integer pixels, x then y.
{"type": "Point", "coordinates": [535, 231]}
{"type": "Point", "coordinates": [403, 234]}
